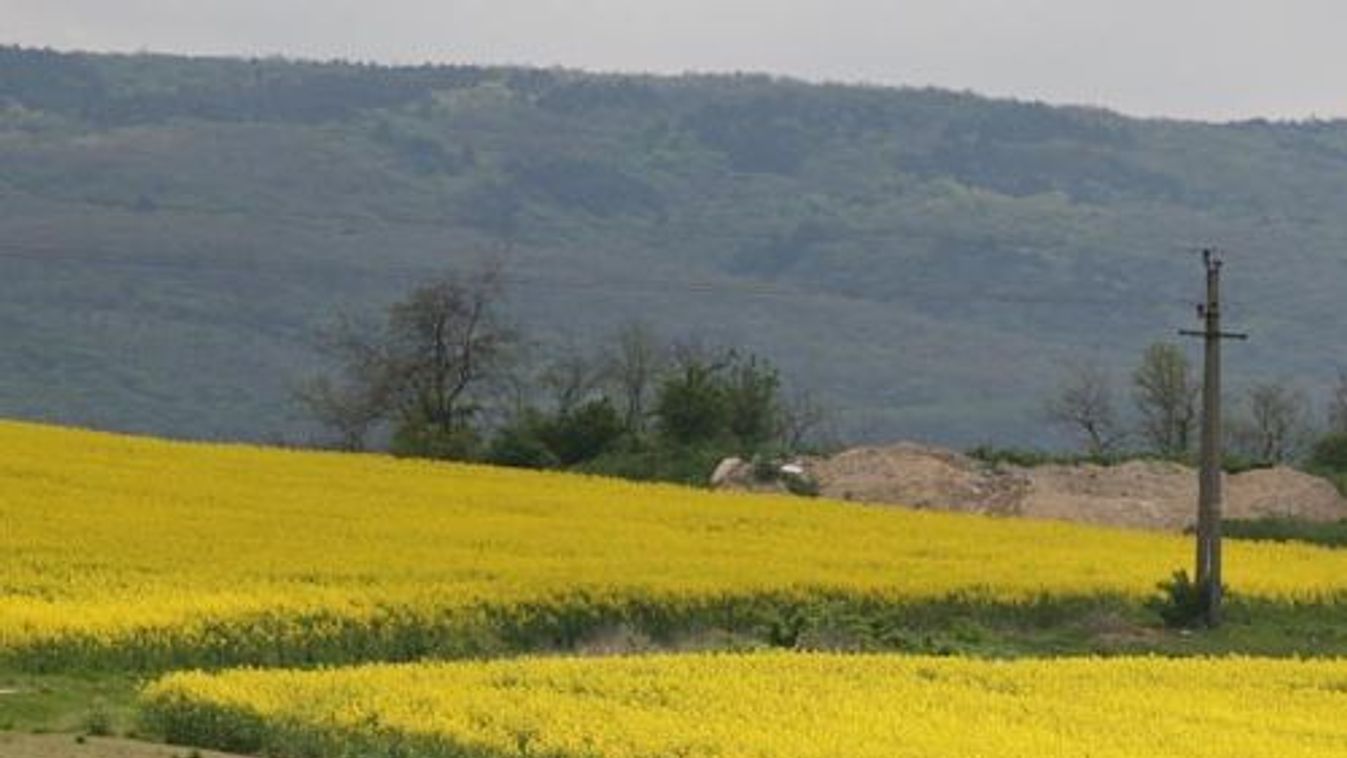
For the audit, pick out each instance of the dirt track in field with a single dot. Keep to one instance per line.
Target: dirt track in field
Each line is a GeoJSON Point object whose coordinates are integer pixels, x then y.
{"type": "Point", "coordinates": [66, 746]}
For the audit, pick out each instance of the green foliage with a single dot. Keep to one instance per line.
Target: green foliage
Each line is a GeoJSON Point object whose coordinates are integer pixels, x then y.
{"type": "Point", "coordinates": [1339, 480]}
{"type": "Point", "coordinates": [752, 402]}
{"type": "Point", "coordinates": [761, 135]}
{"type": "Point", "coordinates": [421, 439]}
{"type": "Point", "coordinates": [86, 702]}
{"type": "Point", "coordinates": [1328, 458]}
{"type": "Point", "coordinates": [1181, 603]}
{"type": "Point", "coordinates": [691, 405]}
{"type": "Point", "coordinates": [732, 401]}
{"type": "Point", "coordinates": [589, 186]}
{"type": "Point", "coordinates": [658, 459]}
{"type": "Point", "coordinates": [564, 439]}
{"type": "Point", "coordinates": [583, 433]}
{"type": "Point", "coordinates": [1281, 529]}
{"type": "Point", "coordinates": [1329, 454]}
{"type": "Point", "coordinates": [1237, 463]}
{"type": "Point", "coordinates": [520, 444]}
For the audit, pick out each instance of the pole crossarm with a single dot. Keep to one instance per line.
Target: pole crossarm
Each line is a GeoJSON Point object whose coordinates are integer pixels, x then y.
{"type": "Point", "coordinates": [1218, 335]}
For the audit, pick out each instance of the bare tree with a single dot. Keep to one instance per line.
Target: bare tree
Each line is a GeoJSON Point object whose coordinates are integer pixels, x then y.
{"type": "Point", "coordinates": [1277, 426]}
{"type": "Point", "coordinates": [419, 368]}
{"type": "Point", "coordinates": [513, 393]}
{"type": "Point", "coordinates": [572, 378]}
{"type": "Point", "coordinates": [342, 409]}
{"type": "Point", "coordinates": [1165, 392]}
{"type": "Point", "coordinates": [635, 368]}
{"type": "Point", "coordinates": [443, 340]}
{"type": "Point", "coordinates": [1083, 404]}
{"type": "Point", "coordinates": [358, 398]}
{"type": "Point", "coordinates": [802, 420]}
{"type": "Point", "coordinates": [1337, 405]}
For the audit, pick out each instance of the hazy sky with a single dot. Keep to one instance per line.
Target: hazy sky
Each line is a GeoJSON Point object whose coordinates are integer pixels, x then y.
{"type": "Point", "coordinates": [1210, 59]}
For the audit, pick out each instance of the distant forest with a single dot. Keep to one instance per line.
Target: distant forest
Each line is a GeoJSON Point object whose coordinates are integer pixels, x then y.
{"type": "Point", "coordinates": [174, 231]}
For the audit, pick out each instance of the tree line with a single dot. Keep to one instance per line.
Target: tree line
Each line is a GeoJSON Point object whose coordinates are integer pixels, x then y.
{"type": "Point", "coordinates": [1271, 422]}
{"type": "Point", "coordinates": [443, 375]}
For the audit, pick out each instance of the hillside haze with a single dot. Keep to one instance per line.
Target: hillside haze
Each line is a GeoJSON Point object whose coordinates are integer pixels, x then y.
{"type": "Point", "coordinates": [173, 231]}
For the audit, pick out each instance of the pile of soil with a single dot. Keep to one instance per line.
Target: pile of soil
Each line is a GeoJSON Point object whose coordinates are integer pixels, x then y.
{"type": "Point", "coordinates": [1149, 494]}
{"type": "Point", "coordinates": [1283, 491]}
{"type": "Point", "coordinates": [1144, 494]}
{"type": "Point", "coordinates": [919, 476]}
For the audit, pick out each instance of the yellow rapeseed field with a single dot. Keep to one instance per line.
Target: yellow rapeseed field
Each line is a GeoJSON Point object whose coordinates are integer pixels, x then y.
{"type": "Point", "coordinates": [172, 553]}
{"type": "Point", "coordinates": [777, 705]}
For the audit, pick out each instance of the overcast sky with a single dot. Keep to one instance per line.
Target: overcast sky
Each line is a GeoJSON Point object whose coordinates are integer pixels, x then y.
{"type": "Point", "coordinates": [1208, 59]}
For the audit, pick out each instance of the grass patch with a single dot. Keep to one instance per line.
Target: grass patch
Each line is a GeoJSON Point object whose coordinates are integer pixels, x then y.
{"type": "Point", "coordinates": [100, 703]}
{"type": "Point", "coordinates": [1280, 529]}
{"type": "Point", "coordinates": [962, 625]}
{"type": "Point", "coordinates": [959, 624]}
{"type": "Point", "coordinates": [1033, 458]}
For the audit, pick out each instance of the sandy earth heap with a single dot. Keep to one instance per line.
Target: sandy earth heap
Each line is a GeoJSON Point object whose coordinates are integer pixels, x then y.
{"type": "Point", "coordinates": [1148, 494]}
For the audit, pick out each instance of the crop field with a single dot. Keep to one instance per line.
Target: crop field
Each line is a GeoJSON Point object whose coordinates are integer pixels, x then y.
{"type": "Point", "coordinates": [139, 554]}
{"type": "Point", "coordinates": [127, 557]}
{"type": "Point", "coordinates": [784, 705]}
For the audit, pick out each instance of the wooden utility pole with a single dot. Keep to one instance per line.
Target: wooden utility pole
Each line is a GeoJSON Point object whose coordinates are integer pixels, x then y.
{"type": "Point", "coordinates": [1209, 476]}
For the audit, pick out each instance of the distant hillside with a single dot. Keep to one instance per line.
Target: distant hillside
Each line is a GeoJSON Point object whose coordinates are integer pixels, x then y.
{"type": "Point", "coordinates": [172, 230]}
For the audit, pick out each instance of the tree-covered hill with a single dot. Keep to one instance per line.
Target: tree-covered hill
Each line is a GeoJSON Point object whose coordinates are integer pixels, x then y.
{"type": "Point", "coordinates": [172, 231]}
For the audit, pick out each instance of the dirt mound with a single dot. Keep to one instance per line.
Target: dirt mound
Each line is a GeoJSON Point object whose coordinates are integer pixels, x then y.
{"type": "Point", "coordinates": [1283, 491]}
{"type": "Point", "coordinates": [1145, 494]}
{"type": "Point", "coordinates": [1137, 493]}
{"type": "Point", "coordinates": [918, 476]}
{"type": "Point", "coordinates": [1160, 495]}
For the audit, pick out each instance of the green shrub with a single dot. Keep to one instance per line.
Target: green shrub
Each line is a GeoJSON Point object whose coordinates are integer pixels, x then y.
{"type": "Point", "coordinates": [583, 433]}
{"type": "Point", "coordinates": [519, 444]}
{"type": "Point", "coordinates": [658, 461]}
{"type": "Point", "coordinates": [691, 405]}
{"type": "Point", "coordinates": [423, 440]}
{"type": "Point", "coordinates": [1181, 602]}
{"type": "Point", "coordinates": [1328, 458]}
